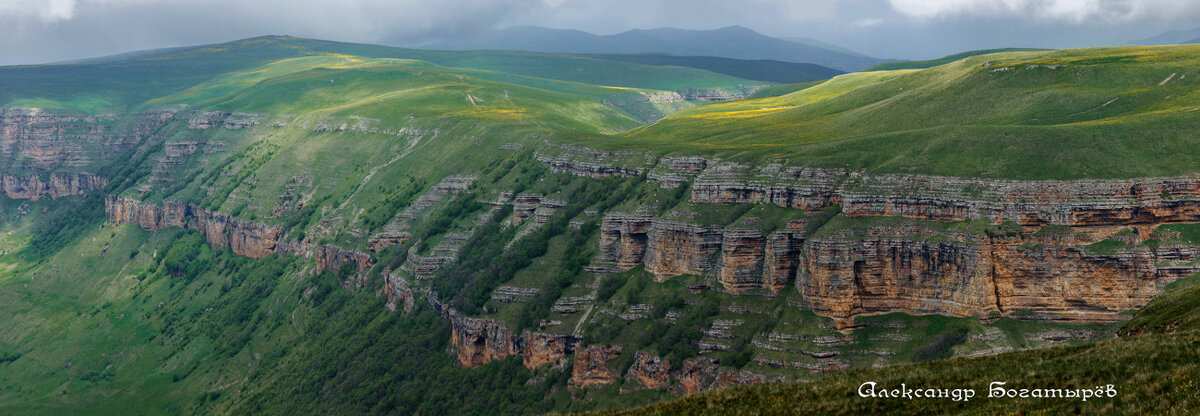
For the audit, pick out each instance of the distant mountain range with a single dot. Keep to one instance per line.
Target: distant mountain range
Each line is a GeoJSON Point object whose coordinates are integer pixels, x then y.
{"type": "Point", "coordinates": [758, 69]}
{"type": "Point", "coordinates": [1171, 37]}
{"type": "Point", "coordinates": [729, 42]}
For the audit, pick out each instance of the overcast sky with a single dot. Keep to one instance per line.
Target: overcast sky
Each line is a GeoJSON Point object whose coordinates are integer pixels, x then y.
{"type": "Point", "coordinates": [35, 31]}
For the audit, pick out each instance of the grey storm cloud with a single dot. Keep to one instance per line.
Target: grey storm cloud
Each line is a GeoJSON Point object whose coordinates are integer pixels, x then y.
{"type": "Point", "coordinates": [33, 31]}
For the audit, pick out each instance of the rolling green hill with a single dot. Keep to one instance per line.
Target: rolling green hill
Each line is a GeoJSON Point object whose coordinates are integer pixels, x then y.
{"type": "Point", "coordinates": [1099, 113]}
{"type": "Point", "coordinates": [125, 85]}
{"type": "Point", "coordinates": [891, 66]}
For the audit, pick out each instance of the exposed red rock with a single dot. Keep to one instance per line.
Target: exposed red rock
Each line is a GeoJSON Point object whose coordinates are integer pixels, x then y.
{"type": "Point", "coordinates": [651, 371]}
{"type": "Point", "coordinates": [538, 349]}
{"type": "Point", "coordinates": [970, 275]}
{"type": "Point", "coordinates": [331, 257]}
{"type": "Point", "coordinates": [591, 366]}
{"type": "Point", "coordinates": [699, 375]}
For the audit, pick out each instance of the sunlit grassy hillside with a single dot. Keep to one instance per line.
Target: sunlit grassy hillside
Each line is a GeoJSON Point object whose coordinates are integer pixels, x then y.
{"type": "Point", "coordinates": [126, 85]}
{"type": "Point", "coordinates": [1107, 112]}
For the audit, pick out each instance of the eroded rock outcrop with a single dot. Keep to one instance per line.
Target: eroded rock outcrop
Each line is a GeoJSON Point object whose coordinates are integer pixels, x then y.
{"type": "Point", "coordinates": [623, 239]}
{"type": "Point", "coordinates": [245, 238]}
{"type": "Point", "coordinates": [792, 187]}
{"type": "Point", "coordinates": [331, 257]}
{"type": "Point", "coordinates": [591, 366]}
{"type": "Point", "coordinates": [396, 231]}
{"type": "Point", "coordinates": [1029, 203]}
{"type": "Point", "coordinates": [743, 259]}
{"type": "Point", "coordinates": [58, 185]}
{"type": "Point", "coordinates": [583, 161]}
{"type": "Point", "coordinates": [699, 375]}
{"type": "Point", "coordinates": [538, 349]}
{"type": "Point", "coordinates": [478, 341]}
{"type": "Point", "coordinates": [650, 371]}
{"type": "Point", "coordinates": [33, 139]}
{"type": "Point", "coordinates": [677, 248]}
{"type": "Point", "coordinates": [398, 292]}
{"type": "Point", "coordinates": [897, 269]}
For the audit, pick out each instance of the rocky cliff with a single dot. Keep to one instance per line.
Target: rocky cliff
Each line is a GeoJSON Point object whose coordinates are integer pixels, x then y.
{"type": "Point", "coordinates": [675, 248]}
{"type": "Point", "coordinates": [331, 257]}
{"type": "Point", "coordinates": [914, 271]}
{"type": "Point", "coordinates": [917, 269]}
{"type": "Point", "coordinates": [32, 139]}
{"type": "Point", "coordinates": [246, 238]}
{"type": "Point", "coordinates": [743, 259]}
{"type": "Point", "coordinates": [699, 375]}
{"type": "Point", "coordinates": [591, 366]}
{"type": "Point", "coordinates": [1087, 202]}
{"type": "Point", "coordinates": [649, 371]}
{"type": "Point", "coordinates": [478, 341]}
{"type": "Point", "coordinates": [58, 185]}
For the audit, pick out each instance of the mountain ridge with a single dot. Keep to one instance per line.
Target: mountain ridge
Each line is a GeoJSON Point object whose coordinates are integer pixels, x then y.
{"type": "Point", "coordinates": [728, 42]}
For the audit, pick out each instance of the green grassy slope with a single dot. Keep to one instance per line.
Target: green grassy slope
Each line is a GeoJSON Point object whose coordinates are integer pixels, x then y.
{"type": "Point", "coordinates": [1153, 372]}
{"type": "Point", "coordinates": [377, 91]}
{"type": "Point", "coordinates": [1177, 309]}
{"type": "Point", "coordinates": [1108, 112]}
{"type": "Point", "coordinates": [120, 320]}
{"type": "Point", "coordinates": [784, 89]}
{"type": "Point", "coordinates": [930, 63]}
{"type": "Point", "coordinates": [124, 85]}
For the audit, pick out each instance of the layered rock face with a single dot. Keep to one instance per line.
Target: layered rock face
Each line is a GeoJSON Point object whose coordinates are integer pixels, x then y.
{"type": "Point", "coordinates": [396, 231]}
{"type": "Point", "coordinates": [967, 275]}
{"type": "Point", "coordinates": [538, 349]}
{"type": "Point", "coordinates": [675, 248]}
{"type": "Point", "coordinates": [649, 371]}
{"type": "Point", "coordinates": [844, 278]}
{"type": "Point", "coordinates": [31, 139]}
{"type": "Point", "coordinates": [882, 269]}
{"type": "Point", "coordinates": [1029, 203]}
{"type": "Point", "coordinates": [1070, 284]}
{"type": "Point", "coordinates": [592, 163]}
{"type": "Point", "coordinates": [479, 341]}
{"type": "Point", "coordinates": [953, 274]}
{"type": "Point", "coordinates": [60, 184]}
{"type": "Point", "coordinates": [398, 291]}
{"type": "Point", "coordinates": [246, 238]}
{"type": "Point", "coordinates": [623, 239]}
{"type": "Point", "coordinates": [34, 140]}
{"type": "Point", "coordinates": [699, 375]}
{"type": "Point", "coordinates": [742, 259]}
{"type": "Point", "coordinates": [331, 257]}
{"type": "Point", "coordinates": [793, 187]}
{"type": "Point", "coordinates": [591, 366]}
{"type": "Point", "coordinates": [386, 239]}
